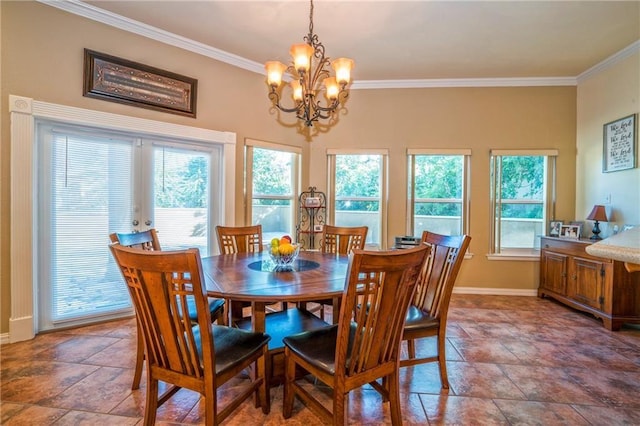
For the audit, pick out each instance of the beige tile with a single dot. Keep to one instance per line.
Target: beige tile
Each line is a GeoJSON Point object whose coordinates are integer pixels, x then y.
{"type": "Point", "coordinates": [608, 415]}
{"type": "Point", "coordinates": [35, 381]}
{"type": "Point", "coordinates": [548, 384]}
{"type": "Point", "coordinates": [481, 380]}
{"type": "Point", "coordinates": [610, 387]}
{"type": "Point", "coordinates": [99, 392]}
{"type": "Point", "coordinates": [484, 350]}
{"type": "Point", "coordinates": [540, 413]}
{"type": "Point", "coordinates": [456, 410]}
{"type": "Point", "coordinates": [120, 354]}
{"type": "Point", "coordinates": [31, 415]}
{"type": "Point", "coordinates": [83, 418]}
{"type": "Point", "coordinates": [77, 348]}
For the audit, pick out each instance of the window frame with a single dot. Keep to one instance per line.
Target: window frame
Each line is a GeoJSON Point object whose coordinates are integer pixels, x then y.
{"type": "Point", "coordinates": [250, 145]}
{"type": "Point", "coordinates": [496, 252]}
{"type": "Point", "coordinates": [384, 191]}
{"type": "Point", "coordinates": [411, 185]}
{"type": "Point", "coordinates": [24, 111]}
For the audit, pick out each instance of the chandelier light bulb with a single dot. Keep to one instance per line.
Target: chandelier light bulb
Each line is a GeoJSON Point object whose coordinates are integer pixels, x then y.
{"type": "Point", "coordinates": [343, 67]}
{"type": "Point", "coordinates": [297, 90]}
{"type": "Point", "coordinates": [301, 55]}
{"type": "Point", "coordinates": [275, 70]}
{"type": "Point", "coordinates": [332, 89]}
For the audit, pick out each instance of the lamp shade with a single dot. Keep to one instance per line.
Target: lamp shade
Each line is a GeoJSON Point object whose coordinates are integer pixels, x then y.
{"type": "Point", "coordinates": [598, 213]}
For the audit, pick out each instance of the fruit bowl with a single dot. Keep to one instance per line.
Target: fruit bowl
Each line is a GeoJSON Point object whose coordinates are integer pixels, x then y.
{"type": "Point", "coordinates": [284, 258]}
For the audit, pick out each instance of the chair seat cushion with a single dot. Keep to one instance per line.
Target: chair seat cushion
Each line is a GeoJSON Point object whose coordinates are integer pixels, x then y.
{"type": "Point", "coordinates": [318, 347]}
{"type": "Point", "coordinates": [284, 323]}
{"type": "Point", "coordinates": [417, 319]}
{"type": "Point", "coordinates": [232, 345]}
{"type": "Point", "coordinates": [215, 305]}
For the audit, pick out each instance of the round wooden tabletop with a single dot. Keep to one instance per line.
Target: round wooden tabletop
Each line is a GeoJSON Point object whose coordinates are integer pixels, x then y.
{"type": "Point", "coordinates": [251, 277]}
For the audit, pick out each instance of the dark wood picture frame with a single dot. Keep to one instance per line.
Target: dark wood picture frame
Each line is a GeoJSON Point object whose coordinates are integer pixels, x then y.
{"type": "Point", "coordinates": [620, 138]}
{"type": "Point", "coordinates": [118, 80]}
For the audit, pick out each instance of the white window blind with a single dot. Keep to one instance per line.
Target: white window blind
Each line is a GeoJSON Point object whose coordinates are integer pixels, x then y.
{"type": "Point", "coordinates": [85, 190]}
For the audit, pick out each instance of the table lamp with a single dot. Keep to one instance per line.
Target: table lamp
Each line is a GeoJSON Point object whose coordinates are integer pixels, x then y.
{"type": "Point", "coordinates": [598, 214]}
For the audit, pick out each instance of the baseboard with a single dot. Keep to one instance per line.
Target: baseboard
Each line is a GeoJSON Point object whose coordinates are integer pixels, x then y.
{"type": "Point", "coordinates": [4, 338]}
{"type": "Point", "coordinates": [495, 291]}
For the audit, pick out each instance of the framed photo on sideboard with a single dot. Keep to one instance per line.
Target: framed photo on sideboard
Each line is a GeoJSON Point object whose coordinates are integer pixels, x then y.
{"type": "Point", "coordinates": [554, 228]}
{"type": "Point", "coordinates": [570, 231]}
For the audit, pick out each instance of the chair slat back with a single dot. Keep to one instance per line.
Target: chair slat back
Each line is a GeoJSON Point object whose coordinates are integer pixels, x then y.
{"type": "Point", "coordinates": [343, 239]}
{"type": "Point", "coordinates": [440, 272]}
{"type": "Point", "coordinates": [240, 239]}
{"type": "Point", "coordinates": [145, 240]}
{"type": "Point", "coordinates": [377, 294]}
{"type": "Point", "coordinates": [159, 284]}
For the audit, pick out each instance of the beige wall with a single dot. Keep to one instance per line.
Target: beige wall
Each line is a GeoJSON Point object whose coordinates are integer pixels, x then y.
{"type": "Point", "coordinates": [42, 59]}
{"type": "Point", "coordinates": [602, 98]}
{"type": "Point", "coordinates": [476, 118]}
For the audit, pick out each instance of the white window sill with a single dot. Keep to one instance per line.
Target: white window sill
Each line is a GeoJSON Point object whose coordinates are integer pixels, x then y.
{"type": "Point", "coordinates": [528, 256]}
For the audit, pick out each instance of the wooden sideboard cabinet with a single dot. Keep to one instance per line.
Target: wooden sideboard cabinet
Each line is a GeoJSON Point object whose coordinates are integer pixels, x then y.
{"type": "Point", "coordinates": [602, 287]}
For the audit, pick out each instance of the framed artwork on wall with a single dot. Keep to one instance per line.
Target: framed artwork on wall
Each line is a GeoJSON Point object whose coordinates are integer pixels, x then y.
{"type": "Point", "coordinates": [619, 145]}
{"type": "Point", "coordinates": [119, 80]}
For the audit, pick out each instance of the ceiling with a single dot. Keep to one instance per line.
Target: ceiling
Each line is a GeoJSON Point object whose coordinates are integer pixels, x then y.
{"type": "Point", "coordinates": [405, 40]}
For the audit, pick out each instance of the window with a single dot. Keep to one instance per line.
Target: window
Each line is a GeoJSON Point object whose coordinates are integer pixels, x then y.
{"type": "Point", "coordinates": [438, 200]}
{"type": "Point", "coordinates": [357, 191]}
{"type": "Point", "coordinates": [272, 180]}
{"type": "Point", "coordinates": [522, 199]}
{"type": "Point", "coordinates": [92, 182]}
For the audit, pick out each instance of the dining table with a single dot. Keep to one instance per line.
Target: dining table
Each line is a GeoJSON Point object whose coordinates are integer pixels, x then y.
{"type": "Point", "coordinates": [255, 278]}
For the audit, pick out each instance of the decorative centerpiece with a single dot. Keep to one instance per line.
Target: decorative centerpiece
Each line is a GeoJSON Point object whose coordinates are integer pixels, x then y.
{"type": "Point", "coordinates": [283, 253]}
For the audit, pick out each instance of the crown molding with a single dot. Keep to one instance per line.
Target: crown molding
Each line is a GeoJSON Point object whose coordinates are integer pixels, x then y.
{"type": "Point", "coordinates": [464, 82]}
{"type": "Point", "coordinates": [88, 11]}
{"type": "Point", "coordinates": [610, 61]}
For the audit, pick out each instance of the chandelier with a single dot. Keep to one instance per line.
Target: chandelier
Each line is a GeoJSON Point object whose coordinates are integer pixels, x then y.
{"type": "Point", "coordinates": [310, 77]}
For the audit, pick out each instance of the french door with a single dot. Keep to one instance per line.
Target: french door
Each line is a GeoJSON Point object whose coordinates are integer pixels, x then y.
{"type": "Point", "coordinates": [94, 182]}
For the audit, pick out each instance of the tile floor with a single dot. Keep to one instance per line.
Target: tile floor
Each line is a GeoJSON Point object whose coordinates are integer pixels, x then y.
{"type": "Point", "coordinates": [511, 361]}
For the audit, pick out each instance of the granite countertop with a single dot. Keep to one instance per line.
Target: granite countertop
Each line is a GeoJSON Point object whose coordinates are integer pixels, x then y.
{"type": "Point", "coordinates": [624, 247]}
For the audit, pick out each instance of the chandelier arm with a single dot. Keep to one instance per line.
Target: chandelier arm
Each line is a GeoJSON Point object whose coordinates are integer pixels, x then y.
{"type": "Point", "coordinates": [275, 99]}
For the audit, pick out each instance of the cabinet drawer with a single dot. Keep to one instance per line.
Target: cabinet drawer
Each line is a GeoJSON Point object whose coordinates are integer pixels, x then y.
{"type": "Point", "coordinates": [569, 247]}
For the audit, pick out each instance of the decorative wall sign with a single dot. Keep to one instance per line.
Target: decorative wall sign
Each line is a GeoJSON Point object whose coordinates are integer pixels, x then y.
{"type": "Point", "coordinates": [119, 80]}
{"type": "Point", "coordinates": [620, 139]}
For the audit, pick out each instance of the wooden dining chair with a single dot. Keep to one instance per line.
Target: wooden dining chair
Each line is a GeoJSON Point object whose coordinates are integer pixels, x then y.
{"type": "Point", "coordinates": [148, 240]}
{"type": "Point", "coordinates": [364, 346]}
{"type": "Point", "coordinates": [338, 240]}
{"type": "Point", "coordinates": [342, 239]}
{"type": "Point", "coordinates": [200, 358]}
{"type": "Point", "coordinates": [240, 239]}
{"type": "Point", "coordinates": [427, 314]}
